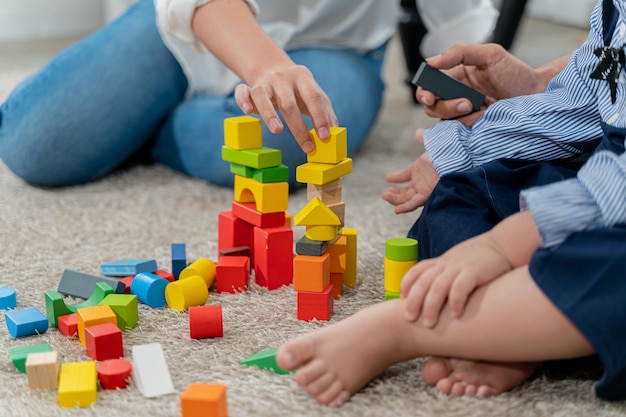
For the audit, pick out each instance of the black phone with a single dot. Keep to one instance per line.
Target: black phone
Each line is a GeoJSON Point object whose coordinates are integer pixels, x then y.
{"type": "Point", "coordinates": [446, 87]}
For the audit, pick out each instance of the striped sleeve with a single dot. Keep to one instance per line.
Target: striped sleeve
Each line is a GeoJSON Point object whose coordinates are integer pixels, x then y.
{"type": "Point", "coordinates": [596, 198]}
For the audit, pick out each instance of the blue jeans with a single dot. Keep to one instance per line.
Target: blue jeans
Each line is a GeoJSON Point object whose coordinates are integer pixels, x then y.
{"type": "Point", "coordinates": [119, 92]}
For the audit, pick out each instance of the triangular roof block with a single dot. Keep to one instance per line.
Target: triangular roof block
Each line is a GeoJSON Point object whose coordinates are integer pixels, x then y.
{"type": "Point", "coordinates": [316, 213]}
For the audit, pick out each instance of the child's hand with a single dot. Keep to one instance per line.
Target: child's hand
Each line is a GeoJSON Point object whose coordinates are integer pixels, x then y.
{"type": "Point", "coordinates": [452, 277]}
{"type": "Point", "coordinates": [421, 178]}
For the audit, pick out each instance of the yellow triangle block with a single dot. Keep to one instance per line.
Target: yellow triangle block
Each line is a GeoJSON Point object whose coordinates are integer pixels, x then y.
{"type": "Point", "coordinates": [316, 213]}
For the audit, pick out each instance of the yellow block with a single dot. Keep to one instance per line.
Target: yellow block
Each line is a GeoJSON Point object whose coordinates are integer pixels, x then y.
{"type": "Point", "coordinates": [321, 232]}
{"type": "Point", "coordinates": [350, 274]}
{"type": "Point", "coordinates": [332, 150]}
{"type": "Point", "coordinates": [269, 197]}
{"type": "Point", "coordinates": [316, 213]}
{"type": "Point", "coordinates": [394, 272]}
{"type": "Point", "coordinates": [90, 316]}
{"type": "Point", "coordinates": [314, 173]}
{"type": "Point", "coordinates": [78, 384]}
{"type": "Point", "coordinates": [184, 293]}
{"type": "Point", "coordinates": [203, 267]}
{"type": "Point", "coordinates": [243, 132]}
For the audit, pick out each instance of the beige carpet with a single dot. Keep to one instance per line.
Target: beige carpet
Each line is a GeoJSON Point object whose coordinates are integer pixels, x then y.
{"type": "Point", "coordinates": [139, 213]}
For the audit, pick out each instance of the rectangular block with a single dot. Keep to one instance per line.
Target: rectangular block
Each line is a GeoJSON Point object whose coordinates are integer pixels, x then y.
{"type": "Point", "coordinates": [150, 372]}
{"type": "Point", "coordinates": [350, 274]}
{"type": "Point", "coordinates": [329, 193]}
{"type": "Point", "coordinates": [311, 273]}
{"type": "Point", "coordinates": [125, 267]}
{"type": "Point", "coordinates": [233, 232]}
{"type": "Point", "coordinates": [253, 158]}
{"type": "Point", "coordinates": [248, 213]}
{"type": "Point", "coordinates": [316, 305]}
{"type": "Point", "coordinates": [179, 258]}
{"type": "Point", "coordinates": [306, 246]}
{"type": "Point", "coordinates": [323, 173]}
{"type": "Point", "coordinates": [42, 370]}
{"type": "Point", "coordinates": [78, 384]}
{"type": "Point", "coordinates": [273, 256]}
{"type": "Point", "coordinates": [81, 285]}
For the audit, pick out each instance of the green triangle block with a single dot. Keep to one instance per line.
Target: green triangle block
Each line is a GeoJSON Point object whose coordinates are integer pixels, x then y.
{"type": "Point", "coordinates": [391, 295]}
{"type": "Point", "coordinates": [19, 354]}
{"type": "Point", "coordinates": [265, 360]}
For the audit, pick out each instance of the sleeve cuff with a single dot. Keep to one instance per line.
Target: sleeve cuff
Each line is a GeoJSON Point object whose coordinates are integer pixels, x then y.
{"type": "Point", "coordinates": [445, 148]}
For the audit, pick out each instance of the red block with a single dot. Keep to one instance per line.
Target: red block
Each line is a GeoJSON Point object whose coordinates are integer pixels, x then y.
{"type": "Point", "coordinates": [336, 280]}
{"type": "Point", "coordinates": [205, 322]}
{"type": "Point", "coordinates": [164, 274]}
{"type": "Point", "coordinates": [114, 373]}
{"type": "Point", "coordinates": [315, 305]}
{"type": "Point", "coordinates": [233, 231]}
{"type": "Point", "coordinates": [127, 281]}
{"type": "Point", "coordinates": [249, 213]}
{"type": "Point", "coordinates": [104, 341]}
{"type": "Point", "coordinates": [232, 274]}
{"type": "Point", "coordinates": [68, 325]}
{"type": "Point", "coordinates": [273, 256]}
{"type": "Point", "coordinates": [236, 251]}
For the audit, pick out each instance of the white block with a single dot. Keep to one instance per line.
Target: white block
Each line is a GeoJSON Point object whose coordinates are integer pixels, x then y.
{"type": "Point", "coordinates": [150, 372]}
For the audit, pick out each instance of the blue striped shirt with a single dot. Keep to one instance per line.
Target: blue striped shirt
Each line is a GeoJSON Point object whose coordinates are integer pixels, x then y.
{"type": "Point", "coordinates": [559, 123]}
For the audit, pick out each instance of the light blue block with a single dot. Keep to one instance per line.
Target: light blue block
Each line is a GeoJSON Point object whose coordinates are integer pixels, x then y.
{"type": "Point", "coordinates": [26, 322]}
{"type": "Point", "coordinates": [149, 289]}
{"type": "Point", "coordinates": [127, 267]}
{"type": "Point", "coordinates": [8, 299]}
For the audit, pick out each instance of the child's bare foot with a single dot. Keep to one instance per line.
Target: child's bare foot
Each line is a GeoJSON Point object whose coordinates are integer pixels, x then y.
{"type": "Point", "coordinates": [459, 377]}
{"type": "Point", "coordinates": [338, 360]}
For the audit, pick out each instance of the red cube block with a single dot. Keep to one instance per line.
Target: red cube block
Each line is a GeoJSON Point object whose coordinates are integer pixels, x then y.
{"type": "Point", "coordinates": [104, 341]}
{"type": "Point", "coordinates": [232, 274]}
{"type": "Point", "coordinates": [68, 325]}
{"type": "Point", "coordinates": [316, 305]}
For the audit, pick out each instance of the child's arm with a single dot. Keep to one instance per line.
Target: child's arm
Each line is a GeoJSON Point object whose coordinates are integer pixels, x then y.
{"type": "Point", "coordinates": [453, 276]}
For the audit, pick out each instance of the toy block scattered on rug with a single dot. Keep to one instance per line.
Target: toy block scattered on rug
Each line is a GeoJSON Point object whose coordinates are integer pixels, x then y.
{"type": "Point", "coordinates": [204, 400]}
{"type": "Point", "coordinates": [126, 309]}
{"type": "Point", "coordinates": [400, 256]}
{"type": "Point", "coordinates": [104, 341]}
{"type": "Point", "coordinates": [25, 322]}
{"type": "Point", "coordinates": [149, 289]}
{"type": "Point", "coordinates": [19, 354]}
{"type": "Point", "coordinates": [232, 274]}
{"type": "Point", "coordinates": [90, 316]}
{"type": "Point", "coordinates": [125, 267]}
{"type": "Point", "coordinates": [78, 384]}
{"type": "Point", "coordinates": [265, 359]}
{"type": "Point", "coordinates": [203, 267]}
{"type": "Point", "coordinates": [68, 325]}
{"type": "Point", "coordinates": [114, 373]}
{"type": "Point", "coordinates": [42, 370]}
{"type": "Point", "coordinates": [149, 370]}
{"type": "Point", "coordinates": [316, 305]}
{"type": "Point", "coordinates": [206, 322]}
{"type": "Point", "coordinates": [8, 298]}
{"type": "Point", "coordinates": [81, 285]}
{"type": "Point", "coordinates": [56, 306]}
{"type": "Point", "coordinates": [187, 292]}
{"type": "Point", "coordinates": [179, 258]}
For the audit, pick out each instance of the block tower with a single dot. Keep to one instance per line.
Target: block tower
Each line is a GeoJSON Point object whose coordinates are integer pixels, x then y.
{"type": "Point", "coordinates": [400, 256]}
{"type": "Point", "coordinates": [256, 224]}
{"type": "Point", "coordinates": [326, 256]}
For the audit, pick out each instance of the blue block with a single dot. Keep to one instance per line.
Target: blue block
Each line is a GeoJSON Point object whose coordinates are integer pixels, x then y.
{"type": "Point", "coordinates": [26, 322]}
{"type": "Point", "coordinates": [127, 267]}
{"type": "Point", "coordinates": [179, 258]}
{"type": "Point", "coordinates": [8, 299]}
{"type": "Point", "coordinates": [149, 289]}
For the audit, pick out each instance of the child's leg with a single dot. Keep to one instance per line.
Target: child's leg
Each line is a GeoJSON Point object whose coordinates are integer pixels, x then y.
{"type": "Point", "coordinates": [92, 105]}
{"type": "Point", "coordinates": [191, 140]}
{"type": "Point", "coordinates": [498, 325]}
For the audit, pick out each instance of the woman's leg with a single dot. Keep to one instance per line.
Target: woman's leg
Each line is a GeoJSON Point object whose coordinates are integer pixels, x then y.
{"type": "Point", "coordinates": [191, 140]}
{"type": "Point", "coordinates": [508, 320]}
{"type": "Point", "coordinates": [93, 105]}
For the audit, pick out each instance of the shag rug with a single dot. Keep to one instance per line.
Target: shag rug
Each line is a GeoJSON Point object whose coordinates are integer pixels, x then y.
{"type": "Point", "coordinates": [138, 213]}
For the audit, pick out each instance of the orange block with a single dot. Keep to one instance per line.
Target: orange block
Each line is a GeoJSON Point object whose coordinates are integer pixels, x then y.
{"type": "Point", "coordinates": [204, 400]}
{"type": "Point", "coordinates": [90, 316]}
{"type": "Point", "coordinates": [311, 273]}
{"type": "Point", "coordinates": [338, 255]}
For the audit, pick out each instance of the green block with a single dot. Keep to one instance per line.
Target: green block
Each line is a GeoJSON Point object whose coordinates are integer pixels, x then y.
{"type": "Point", "coordinates": [401, 249]}
{"type": "Point", "coordinates": [55, 304]}
{"type": "Point", "coordinates": [19, 354]}
{"type": "Point", "coordinates": [242, 170]}
{"type": "Point", "coordinates": [389, 295]}
{"type": "Point", "coordinates": [278, 173]}
{"type": "Point", "coordinates": [265, 360]}
{"type": "Point", "coordinates": [254, 158]}
{"type": "Point", "coordinates": [125, 307]}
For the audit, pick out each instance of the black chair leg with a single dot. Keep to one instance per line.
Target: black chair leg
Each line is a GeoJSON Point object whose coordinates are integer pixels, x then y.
{"type": "Point", "coordinates": [511, 13]}
{"type": "Point", "coordinates": [411, 30]}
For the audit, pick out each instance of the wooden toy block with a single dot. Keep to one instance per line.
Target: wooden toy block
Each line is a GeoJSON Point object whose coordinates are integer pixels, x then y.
{"type": "Point", "coordinates": [150, 372]}
{"type": "Point", "coordinates": [254, 158]}
{"type": "Point", "coordinates": [8, 299]}
{"type": "Point", "coordinates": [273, 256]}
{"type": "Point", "coordinates": [204, 400]}
{"type": "Point", "coordinates": [126, 309]}
{"type": "Point", "coordinates": [243, 132]}
{"type": "Point", "coordinates": [278, 173]}
{"type": "Point", "coordinates": [265, 359]}
{"type": "Point", "coordinates": [311, 273]}
{"type": "Point", "coordinates": [203, 267]}
{"type": "Point", "coordinates": [242, 170]}
{"type": "Point", "coordinates": [350, 275]}
{"type": "Point", "coordinates": [56, 306]}
{"type": "Point", "coordinates": [316, 213]}
{"type": "Point", "coordinates": [340, 210]}
{"type": "Point", "coordinates": [165, 275]}
{"type": "Point", "coordinates": [321, 232]}
{"type": "Point", "coordinates": [391, 295]}
{"type": "Point", "coordinates": [236, 251]}
{"type": "Point", "coordinates": [104, 341]}
{"type": "Point", "coordinates": [332, 150]}
{"type": "Point", "coordinates": [269, 197]}
{"type": "Point", "coordinates": [394, 272]}
{"type": "Point", "coordinates": [337, 252]}
{"type": "Point", "coordinates": [78, 384]}
{"type": "Point", "coordinates": [42, 370]}
{"type": "Point", "coordinates": [184, 293]}
{"type": "Point", "coordinates": [336, 280]}
{"type": "Point", "coordinates": [306, 246]}
{"type": "Point", "coordinates": [149, 289]}
{"type": "Point", "coordinates": [323, 173]}
{"type": "Point", "coordinates": [25, 322]}
{"type": "Point", "coordinates": [81, 285]}
{"type": "Point", "coordinates": [19, 354]}
{"type": "Point", "coordinates": [68, 325]}
{"type": "Point", "coordinates": [127, 281]}
{"type": "Point", "coordinates": [233, 274]}
{"type": "Point", "coordinates": [329, 193]}
{"type": "Point", "coordinates": [401, 249]}
{"type": "Point", "coordinates": [90, 316]}
{"type": "Point", "coordinates": [287, 219]}
{"type": "Point", "coordinates": [206, 322]}
{"type": "Point", "coordinates": [125, 267]}
{"type": "Point", "coordinates": [114, 373]}
{"type": "Point", "coordinates": [179, 258]}
{"type": "Point", "coordinates": [233, 232]}
{"type": "Point", "coordinates": [248, 213]}
{"type": "Point", "coordinates": [316, 305]}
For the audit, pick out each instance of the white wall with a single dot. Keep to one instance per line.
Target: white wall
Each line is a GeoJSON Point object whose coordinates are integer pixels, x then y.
{"type": "Point", "coordinates": [571, 12]}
